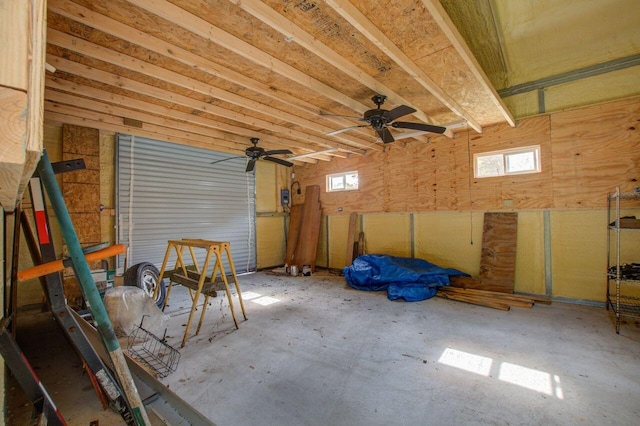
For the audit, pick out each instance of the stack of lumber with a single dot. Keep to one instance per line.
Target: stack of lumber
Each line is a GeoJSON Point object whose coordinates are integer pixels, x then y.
{"type": "Point", "coordinates": [490, 299]}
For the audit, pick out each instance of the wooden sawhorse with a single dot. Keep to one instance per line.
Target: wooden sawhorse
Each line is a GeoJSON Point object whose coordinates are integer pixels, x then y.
{"type": "Point", "coordinates": [197, 280]}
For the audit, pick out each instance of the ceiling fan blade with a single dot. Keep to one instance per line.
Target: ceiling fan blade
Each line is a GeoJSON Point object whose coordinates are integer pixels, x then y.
{"type": "Point", "coordinates": [398, 112]}
{"type": "Point", "coordinates": [251, 165]}
{"type": "Point", "coordinates": [335, 132]}
{"type": "Point", "coordinates": [419, 126]}
{"type": "Point", "coordinates": [224, 159]}
{"type": "Point", "coordinates": [279, 161]}
{"type": "Point", "coordinates": [277, 151]}
{"type": "Point", "coordinates": [385, 135]}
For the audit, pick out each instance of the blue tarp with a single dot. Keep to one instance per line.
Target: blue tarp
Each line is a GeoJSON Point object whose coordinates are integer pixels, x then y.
{"type": "Point", "coordinates": [403, 278]}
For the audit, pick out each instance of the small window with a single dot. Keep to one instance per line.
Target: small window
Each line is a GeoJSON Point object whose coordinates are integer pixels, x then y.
{"type": "Point", "coordinates": [347, 181]}
{"type": "Point", "coordinates": [507, 162]}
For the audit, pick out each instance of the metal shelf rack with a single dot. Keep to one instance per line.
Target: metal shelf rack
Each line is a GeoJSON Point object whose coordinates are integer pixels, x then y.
{"type": "Point", "coordinates": [622, 304]}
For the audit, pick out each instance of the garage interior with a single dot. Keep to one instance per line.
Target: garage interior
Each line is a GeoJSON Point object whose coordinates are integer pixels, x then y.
{"type": "Point", "coordinates": [237, 121]}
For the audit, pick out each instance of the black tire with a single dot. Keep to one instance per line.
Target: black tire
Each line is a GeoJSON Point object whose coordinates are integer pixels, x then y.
{"type": "Point", "coordinates": [145, 276]}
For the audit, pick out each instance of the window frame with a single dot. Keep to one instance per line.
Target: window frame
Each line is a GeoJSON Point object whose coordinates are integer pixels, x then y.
{"type": "Point", "coordinates": [343, 175]}
{"type": "Point", "coordinates": [505, 153]}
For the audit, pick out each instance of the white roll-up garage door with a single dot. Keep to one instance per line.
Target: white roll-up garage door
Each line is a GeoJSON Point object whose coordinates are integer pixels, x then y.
{"type": "Point", "coordinates": [167, 191]}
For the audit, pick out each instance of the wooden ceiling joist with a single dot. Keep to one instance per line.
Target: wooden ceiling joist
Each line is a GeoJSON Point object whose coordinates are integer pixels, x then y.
{"type": "Point", "coordinates": [204, 29]}
{"type": "Point", "coordinates": [98, 52]}
{"type": "Point", "coordinates": [366, 27]}
{"type": "Point", "coordinates": [155, 92]}
{"type": "Point", "coordinates": [290, 74]}
{"type": "Point", "coordinates": [110, 26]}
{"type": "Point", "coordinates": [309, 42]}
{"type": "Point", "coordinates": [440, 16]}
{"type": "Point", "coordinates": [80, 117]}
{"type": "Point", "coordinates": [130, 105]}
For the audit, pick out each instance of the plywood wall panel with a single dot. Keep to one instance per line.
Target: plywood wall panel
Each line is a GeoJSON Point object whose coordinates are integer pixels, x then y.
{"type": "Point", "coordinates": [399, 172]}
{"type": "Point", "coordinates": [594, 150]}
{"type": "Point", "coordinates": [585, 153]}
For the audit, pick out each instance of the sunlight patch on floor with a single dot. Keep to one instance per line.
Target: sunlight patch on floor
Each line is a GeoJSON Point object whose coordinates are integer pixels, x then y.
{"type": "Point", "coordinates": [528, 378]}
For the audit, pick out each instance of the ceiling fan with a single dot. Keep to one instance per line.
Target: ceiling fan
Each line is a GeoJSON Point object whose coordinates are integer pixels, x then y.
{"type": "Point", "coordinates": [380, 120]}
{"type": "Point", "coordinates": [254, 153]}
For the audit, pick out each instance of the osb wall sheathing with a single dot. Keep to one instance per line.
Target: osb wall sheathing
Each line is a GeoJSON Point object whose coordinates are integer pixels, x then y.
{"type": "Point", "coordinates": [30, 292]}
{"type": "Point", "coordinates": [585, 153]}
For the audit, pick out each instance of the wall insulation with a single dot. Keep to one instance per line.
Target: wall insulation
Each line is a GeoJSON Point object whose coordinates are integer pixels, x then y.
{"type": "Point", "coordinates": [167, 191]}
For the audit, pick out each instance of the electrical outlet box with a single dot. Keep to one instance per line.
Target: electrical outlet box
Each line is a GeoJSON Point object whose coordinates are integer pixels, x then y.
{"type": "Point", "coordinates": [284, 197]}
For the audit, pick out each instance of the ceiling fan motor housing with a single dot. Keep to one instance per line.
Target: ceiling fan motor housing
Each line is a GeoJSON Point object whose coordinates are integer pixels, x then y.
{"type": "Point", "coordinates": [377, 118]}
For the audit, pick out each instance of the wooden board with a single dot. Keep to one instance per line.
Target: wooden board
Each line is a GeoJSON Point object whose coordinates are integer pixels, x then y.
{"type": "Point", "coordinates": [350, 238]}
{"type": "Point", "coordinates": [13, 104]}
{"type": "Point", "coordinates": [307, 246]}
{"type": "Point", "coordinates": [498, 258]}
{"type": "Point", "coordinates": [294, 230]}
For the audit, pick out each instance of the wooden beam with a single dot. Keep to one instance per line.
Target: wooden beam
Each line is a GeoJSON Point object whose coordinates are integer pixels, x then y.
{"type": "Point", "coordinates": [311, 154]}
{"type": "Point", "coordinates": [22, 41]}
{"type": "Point", "coordinates": [174, 129]}
{"type": "Point", "coordinates": [35, 114]}
{"type": "Point", "coordinates": [130, 107]}
{"type": "Point", "coordinates": [312, 44]}
{"type": "Point", "coordinates": [13, 104]}
{"type": "Point", "coordinates": [108, 25]}
{"type": "Point", "coordinates": [95, 51]}
{"type": "Point", "coordinates": [111, 125]}
{"type": "Point", "coordinates": [119, 113]}
{"type": "Point", "coordinates": [377, 37]}
{"type": "Point", "coordinates": [199, 26]}
{"type": "Point", "coordinates": [446, 25]}
{"type": "Point", "coordinates": [14, 34]}
{"type": "Point", "coordinates": [167, 96]}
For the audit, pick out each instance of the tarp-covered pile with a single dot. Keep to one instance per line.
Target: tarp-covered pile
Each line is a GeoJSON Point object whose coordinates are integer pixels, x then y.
{"type": "Point", "coordinates": [403, 278]}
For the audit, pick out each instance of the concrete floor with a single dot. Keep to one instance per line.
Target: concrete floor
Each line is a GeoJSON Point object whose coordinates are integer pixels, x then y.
{"type": "Point", "coordinates": [316, 352]}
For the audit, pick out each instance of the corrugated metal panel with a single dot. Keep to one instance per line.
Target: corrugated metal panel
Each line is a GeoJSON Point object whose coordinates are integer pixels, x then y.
{"type": "Point", "coordinates": [167, 191]}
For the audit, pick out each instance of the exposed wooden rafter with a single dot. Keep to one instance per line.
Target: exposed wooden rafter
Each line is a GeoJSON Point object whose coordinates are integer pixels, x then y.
{"type": "Point", "coordinates": [218, 73]}
{"type": "Point", "coordinates": [440, 15]}
{"type": "Point", "coordinates": [300, 36]}
{"type": "Point", "coordinates": [366, 27]}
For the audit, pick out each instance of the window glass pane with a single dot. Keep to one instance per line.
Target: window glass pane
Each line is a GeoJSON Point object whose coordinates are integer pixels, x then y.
{"type": "Point", "coordinates": [352, 181]}
{"type": "Point", "coordinates": [489, 165]}
{"type": "Point", "coordinates": [346, 181]}
{"type": "Point", "coordinates": [337, 182]}
{"type": "Point", "coordinates": [521, 162]}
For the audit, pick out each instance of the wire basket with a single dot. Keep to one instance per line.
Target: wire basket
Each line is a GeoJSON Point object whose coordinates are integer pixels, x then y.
{"type": "Point", "coordinates": [152, 351]}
